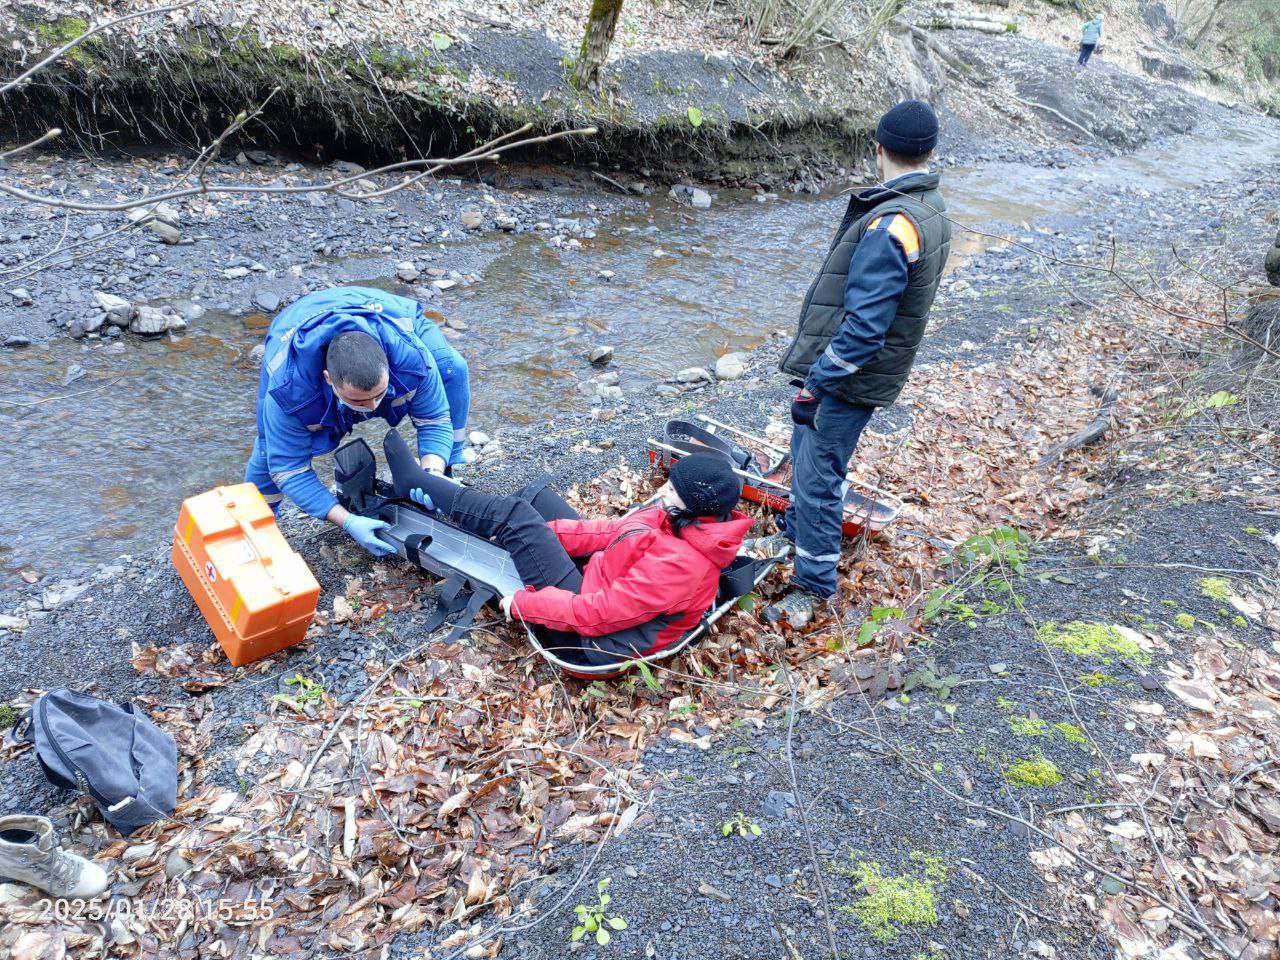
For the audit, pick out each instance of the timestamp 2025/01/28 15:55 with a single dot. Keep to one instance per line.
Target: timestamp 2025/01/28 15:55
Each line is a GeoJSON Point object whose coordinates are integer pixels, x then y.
{"type": "Point", "coordinates": [168, 908]}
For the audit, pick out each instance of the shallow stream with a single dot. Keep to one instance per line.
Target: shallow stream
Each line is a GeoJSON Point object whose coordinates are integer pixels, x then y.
{"type": "Point", "coordinates": [100, 459]}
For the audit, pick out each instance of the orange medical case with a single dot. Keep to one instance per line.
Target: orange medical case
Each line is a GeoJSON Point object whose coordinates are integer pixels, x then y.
{"type": "Point", "coordinates": [257, 595]}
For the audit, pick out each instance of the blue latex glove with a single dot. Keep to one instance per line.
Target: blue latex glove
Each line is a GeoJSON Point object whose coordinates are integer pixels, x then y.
{"type": "Point", "coordinates": [419, 496]}
{"type": "Point", "coordinates": [364, 531]}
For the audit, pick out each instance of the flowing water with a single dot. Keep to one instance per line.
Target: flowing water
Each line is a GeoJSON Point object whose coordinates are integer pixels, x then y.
{"type": "Point", "coordinates": [100, 463]}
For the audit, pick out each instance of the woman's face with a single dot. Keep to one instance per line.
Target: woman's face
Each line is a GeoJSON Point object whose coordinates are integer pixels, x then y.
{"type": "Point", "coordinates": [667, 496]}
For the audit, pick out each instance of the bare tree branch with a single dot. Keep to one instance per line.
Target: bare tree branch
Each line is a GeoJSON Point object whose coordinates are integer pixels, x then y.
{"type": "Point", "coordinates": [107, 25]}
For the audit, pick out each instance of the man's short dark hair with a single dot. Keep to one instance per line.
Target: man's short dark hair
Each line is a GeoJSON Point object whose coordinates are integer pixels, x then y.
{"type": "Point", "coordinates": [903, 160]}
{"type": "Point", "coordinates": [356, 359]}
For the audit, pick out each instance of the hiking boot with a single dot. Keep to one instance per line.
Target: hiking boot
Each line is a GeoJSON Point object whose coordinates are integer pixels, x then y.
{"type": "Point", "coordinates": [774, 545]}
{"type": "Point", "coordinates": [798, 608]}
{"type": "Point", "coordinates": [29, 854]}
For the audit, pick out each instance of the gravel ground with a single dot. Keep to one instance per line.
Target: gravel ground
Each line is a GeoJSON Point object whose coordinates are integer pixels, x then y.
{"type": "Point", "coordinates": [864, 803]}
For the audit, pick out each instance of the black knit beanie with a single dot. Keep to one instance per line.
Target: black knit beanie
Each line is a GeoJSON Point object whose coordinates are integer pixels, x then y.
{"type": "Point", "coordinates": [909, 129]}
{"type": "Point", "coordinates": [706, 483]}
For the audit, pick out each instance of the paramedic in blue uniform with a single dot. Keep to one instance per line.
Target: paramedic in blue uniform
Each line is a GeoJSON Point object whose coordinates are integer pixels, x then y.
{"type": "Point", "coordinates": [338, 357]}
{"type": "Point", "coordinates": [860, 326]}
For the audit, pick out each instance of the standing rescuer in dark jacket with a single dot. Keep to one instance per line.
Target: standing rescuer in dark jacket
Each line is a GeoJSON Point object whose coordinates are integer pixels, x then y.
{"type": "Point", "coordinates": [860, 326]}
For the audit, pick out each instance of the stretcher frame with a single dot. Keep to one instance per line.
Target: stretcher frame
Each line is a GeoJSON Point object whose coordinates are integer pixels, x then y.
{"type": "Point", "coordinates": [476, 571]}
{"type": "Point", "coordinates": [872, 511]}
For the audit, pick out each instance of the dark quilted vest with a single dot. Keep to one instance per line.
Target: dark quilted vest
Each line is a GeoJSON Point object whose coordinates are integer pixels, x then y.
{"type": "Point", "coordinates": [879, 382]}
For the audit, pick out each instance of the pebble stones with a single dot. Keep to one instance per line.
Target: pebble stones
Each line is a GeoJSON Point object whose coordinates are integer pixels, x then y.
{"type": "Point", "coordinates": [730, 367]}
{"type": "Point", "coordinates": [600, 354]}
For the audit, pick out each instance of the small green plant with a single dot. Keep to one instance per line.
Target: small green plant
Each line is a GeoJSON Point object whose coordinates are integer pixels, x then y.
{"type": "Point", "coordinates": [1004, 546]}
{"type": "Point", "coordinates": [593, 919]}
{"type": "Point", "coordinates": [597, 689]}
{"type": "Point", "coordinates": [1092, 640]}
{"type": "Point", "coordinates": [1216, 401]}
{"type": "Point", "coordinates": [308, 692]}
{"type": "Point", "coordinates": [651, 680]}
{"type": "Point", "coordinates": [1005, 704]}
{"type": "Point", "coordinates": [695, 117]}
{"type": "Point", "coordinates": [1040, 772]}
{"type": "Point", "coordinates": [890, 904]}
{"type": "Point", "coordinates": [879, 617]}
{"type": "Point", "coordinates": [744, 825]}
{"type": "Point", "coordinates": [1215, 588]}
{"type": "Point", "coordinates": [440, 41]}
{"type": "Point", "coordinates": [8, 716]}
{"type": "Point", "coordinates": [928, 678]}
{"type": "Point", "coordinates": [1185, 620]}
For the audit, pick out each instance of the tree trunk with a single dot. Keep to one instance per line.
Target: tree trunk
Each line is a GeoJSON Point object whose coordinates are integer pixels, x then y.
{"type": "Point", "coordinates": [602, 21]}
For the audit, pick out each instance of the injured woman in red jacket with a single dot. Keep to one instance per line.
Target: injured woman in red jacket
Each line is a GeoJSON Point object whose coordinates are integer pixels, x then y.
{"type": "Point", "coordinates": [649, 579]}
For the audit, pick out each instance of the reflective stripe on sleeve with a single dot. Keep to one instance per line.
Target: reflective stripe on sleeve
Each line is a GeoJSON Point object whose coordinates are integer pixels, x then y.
{"type": "Point", "coordinates": [839, 361]}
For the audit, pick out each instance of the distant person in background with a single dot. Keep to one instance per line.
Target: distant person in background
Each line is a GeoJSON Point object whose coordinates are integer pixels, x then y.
{"type": "Point", "coordinates": [1090, 35]}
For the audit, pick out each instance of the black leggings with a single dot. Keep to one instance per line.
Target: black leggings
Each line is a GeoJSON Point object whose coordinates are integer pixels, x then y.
{"type": "Point", "coordinates": [512, 523]}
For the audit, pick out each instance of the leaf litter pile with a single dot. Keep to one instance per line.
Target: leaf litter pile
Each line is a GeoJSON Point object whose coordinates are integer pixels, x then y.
{"type": "Point", "coordinates": [436, 799]}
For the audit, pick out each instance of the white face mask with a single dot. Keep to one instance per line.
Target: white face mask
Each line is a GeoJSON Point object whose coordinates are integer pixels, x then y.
{"type": "Point", "coordinates": [363, 411]}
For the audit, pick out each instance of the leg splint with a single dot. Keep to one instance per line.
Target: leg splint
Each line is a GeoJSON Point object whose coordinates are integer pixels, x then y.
{"type": "Point", "coordinates": [476, 571]}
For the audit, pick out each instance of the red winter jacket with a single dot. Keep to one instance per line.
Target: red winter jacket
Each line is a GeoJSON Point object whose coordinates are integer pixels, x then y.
{"type": "Point", "coordinates": [644, 587]}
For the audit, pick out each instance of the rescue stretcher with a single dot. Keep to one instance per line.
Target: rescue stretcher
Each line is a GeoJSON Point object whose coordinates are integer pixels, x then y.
{"type": "Point", "coordinates": [476, 571]}
{"type": "Point", "coordinates": [765, 469]}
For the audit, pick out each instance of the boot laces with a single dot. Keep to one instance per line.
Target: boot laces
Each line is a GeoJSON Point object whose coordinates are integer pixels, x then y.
{"type": "Point", "coordinates": [62, 868]}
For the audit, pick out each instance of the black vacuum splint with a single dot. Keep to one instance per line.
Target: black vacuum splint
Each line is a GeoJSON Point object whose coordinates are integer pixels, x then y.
{"type": "Point", "coordinates": [476, 571]}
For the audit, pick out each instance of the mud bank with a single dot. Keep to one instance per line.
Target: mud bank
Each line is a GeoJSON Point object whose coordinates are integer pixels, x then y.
{"type": "Point", "coordinates": [375, 103]}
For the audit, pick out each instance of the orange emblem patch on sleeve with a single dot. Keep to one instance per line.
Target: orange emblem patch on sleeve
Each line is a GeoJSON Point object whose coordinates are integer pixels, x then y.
{"type": "Point", "coordinates": [904, 231]}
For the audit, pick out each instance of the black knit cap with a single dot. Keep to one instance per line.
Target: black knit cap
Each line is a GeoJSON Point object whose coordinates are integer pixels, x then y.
{"type": "Point", "coordinates": [706, 483]}
{"type": "Point", "coordinates": [909, 129]}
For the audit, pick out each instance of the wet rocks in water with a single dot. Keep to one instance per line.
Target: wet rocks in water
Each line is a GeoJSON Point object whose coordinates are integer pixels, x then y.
{"type": "Point", "coordinates": [14, 342]}
{"type": "Point", "coordinates": [255, 355]}
{"type": "Point", "coordinates": [153, 320]}
{"type": "Point", "coordinates": [74, 373]}
{"type": "Point", "coordinates": [506, 223]}
{"type": "Point", "coordinates": [606, 274]}
{"type": "Point", "coordinates": [600, 354]}
{"type": "Point", "coordinates": [730, 367]}
{"type": "Point", "coordinates": [691, 195]}
{"type": "Point", "coordinates": [116, 310]}
{"type": "Point", "coordinates": [407, 271]}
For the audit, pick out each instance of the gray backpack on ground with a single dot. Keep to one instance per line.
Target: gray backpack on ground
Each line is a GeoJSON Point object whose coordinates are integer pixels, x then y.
{"type": "Point", "coordinates": [113, 752]}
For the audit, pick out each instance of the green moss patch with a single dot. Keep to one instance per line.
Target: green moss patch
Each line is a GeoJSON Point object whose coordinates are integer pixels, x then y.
{"type": "Point", "coordinates": [1096, 679]}
{"type": "Point", "coordinates": [8, 716]}
{"type": "Point", "coordinates": [1041, 772]}
{"type": "Point", "coordinates": [1070, 733]}
{"type": "Point", "coordinates": [1215, 588]}
{"type": "Point", "coordinates": [890, 904]}
{"type": "Point", "coordinates": [1185, 620]}
{"type": "Point", "coordinates": [1028, 726]}
{"type": "Point", "coordinates": [1098, 640]}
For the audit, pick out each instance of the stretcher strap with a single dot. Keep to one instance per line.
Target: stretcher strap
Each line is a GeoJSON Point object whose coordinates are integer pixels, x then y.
{"type": "Point", "coordinates": [457, 597]}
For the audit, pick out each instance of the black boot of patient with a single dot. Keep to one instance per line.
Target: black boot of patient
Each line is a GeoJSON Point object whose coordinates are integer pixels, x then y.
{"type": "Point", "coordinates": [407, 474]}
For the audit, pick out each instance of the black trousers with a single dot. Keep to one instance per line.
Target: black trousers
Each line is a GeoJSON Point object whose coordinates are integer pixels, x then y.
{"type": "Point", "coordinates": [513, 523]}
{"type": "Point", "coordinates": [1086, 51]}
